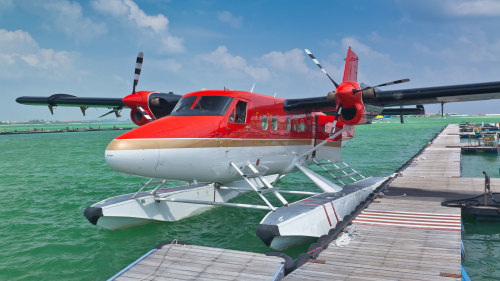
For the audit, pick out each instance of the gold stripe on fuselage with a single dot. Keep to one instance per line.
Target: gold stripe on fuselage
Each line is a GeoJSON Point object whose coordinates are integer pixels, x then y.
{"type": "Point", "coordinates": [138, 144]}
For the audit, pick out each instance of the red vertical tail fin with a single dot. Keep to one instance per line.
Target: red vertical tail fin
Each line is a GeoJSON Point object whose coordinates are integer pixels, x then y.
{"type": "Point", "coordinates": [351, 66]}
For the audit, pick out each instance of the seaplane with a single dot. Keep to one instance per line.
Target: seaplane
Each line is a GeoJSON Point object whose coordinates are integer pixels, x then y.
{"type": "Point", "coordinates": [224, 143]}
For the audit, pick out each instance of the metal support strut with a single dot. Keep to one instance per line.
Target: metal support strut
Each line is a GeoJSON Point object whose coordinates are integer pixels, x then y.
{"type": "Point", "coordinates": [257, 175]}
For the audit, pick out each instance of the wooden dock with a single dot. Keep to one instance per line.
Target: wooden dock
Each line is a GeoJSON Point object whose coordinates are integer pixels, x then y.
{"type": "Point", "coordinates": [403, 235]}
{"type": "Point", "coordinates": [188, 262]}
{"type": "Point", "coordinates": [406, 234]}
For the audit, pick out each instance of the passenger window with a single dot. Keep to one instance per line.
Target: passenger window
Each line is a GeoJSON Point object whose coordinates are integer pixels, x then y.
{"type": "Point", "coordinates": [265, 122]}
{"type": "Point", "coordinates": [241, 112]}
{"type": "Point", "coordinates": [295, 125]}
{"type": "Point", "coordinates": [288, 124]}
{"type": "Point", "coordinates": [274, 123]}
{"type": "Point", "coordinates": [302, 126]}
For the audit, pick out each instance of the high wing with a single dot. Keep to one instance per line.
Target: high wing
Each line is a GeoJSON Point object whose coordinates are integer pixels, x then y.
{"type": "Point", "coordinates": [455, 93]}
{"type": "Point", "coordinates": [416, 96]}
{"type": "Point", "coordinates": [70, 100]}
{"type": "Point", "coordinates": [145, 106]}
{"type": "Point", "coordinates": [355, 103]}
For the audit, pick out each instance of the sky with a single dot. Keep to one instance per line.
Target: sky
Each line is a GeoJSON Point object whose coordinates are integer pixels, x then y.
{"type": "Point", "coordinates": [88, 48]}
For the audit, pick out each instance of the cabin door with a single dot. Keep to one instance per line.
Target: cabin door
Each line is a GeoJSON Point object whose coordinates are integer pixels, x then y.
{"type": "Point", "coordinates": [322, 127]}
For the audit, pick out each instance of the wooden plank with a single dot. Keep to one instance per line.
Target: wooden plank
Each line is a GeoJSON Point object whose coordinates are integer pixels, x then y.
{"type": "Point", "coordinates": [386, 252]}
{"type": "Point", "coordinates": [178, 262]}
{"type": "Point", "coordinates": [363, 272]}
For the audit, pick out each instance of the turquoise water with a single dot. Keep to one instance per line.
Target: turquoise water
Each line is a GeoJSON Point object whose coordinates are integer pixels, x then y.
{"type": "Point", "coordinates": [47, 180]}
{"type": "Point", "coordinates": [18, 127]}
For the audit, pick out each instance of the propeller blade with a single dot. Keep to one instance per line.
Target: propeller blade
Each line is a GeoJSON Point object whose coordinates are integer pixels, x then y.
{"type": "Point", "coordinates": [320, 67]}
{"type": "Point", "coordinates": [338, 111]}
{"type": "Point", "coordinates": [369, 92]}
{"type": "Point", "coordinates": [392, 83]}
{"type": "Point", "coordinates": [138, 66]}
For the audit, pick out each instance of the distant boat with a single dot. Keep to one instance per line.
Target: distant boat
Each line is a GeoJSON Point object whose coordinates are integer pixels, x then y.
{"type": "Point", "coordinates": [382, 117]}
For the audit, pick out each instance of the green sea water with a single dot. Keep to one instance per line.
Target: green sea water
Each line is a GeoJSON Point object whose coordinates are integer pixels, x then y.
{"type": "Point", "coordinates": [47, 180]}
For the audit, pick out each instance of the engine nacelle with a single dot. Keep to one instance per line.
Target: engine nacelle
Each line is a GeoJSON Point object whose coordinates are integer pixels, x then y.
{"type": "Point", "coordinates": [147, 106]}
{"type": "Point", "coordinates": [353, 109]}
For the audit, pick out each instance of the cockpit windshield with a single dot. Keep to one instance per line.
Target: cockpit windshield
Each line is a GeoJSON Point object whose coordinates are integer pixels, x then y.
{"type": "Point", "coordinates": [205, 106]}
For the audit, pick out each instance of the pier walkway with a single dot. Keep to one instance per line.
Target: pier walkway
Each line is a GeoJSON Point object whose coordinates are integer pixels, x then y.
{"type": "Point", "coordinates": [406, 234]}
{"type": "Point", "coordinates": [189, 262]}
{"type": "Point", "coordinates": [403, 235]}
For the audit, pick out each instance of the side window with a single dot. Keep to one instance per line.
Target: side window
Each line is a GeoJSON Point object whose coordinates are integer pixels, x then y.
{"type": "Point", "coordinates": [231, 117]}
{"type": "Point", "coordinates": [302, 126]}
{"type": "Point", "coordinates": [295, 125]}
{"type": "Point", "coordinates": [241, 112]}
{"type": "Point", "coordinates": [288, 124]}
{"type": "Point", "coordinates": [274, 123]}
{"type": "Point", "coordinates": [265, 122]}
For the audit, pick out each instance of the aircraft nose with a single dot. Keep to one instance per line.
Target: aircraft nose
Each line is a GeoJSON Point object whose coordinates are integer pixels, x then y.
{"type": "Point", "coordinates": [132, 156]}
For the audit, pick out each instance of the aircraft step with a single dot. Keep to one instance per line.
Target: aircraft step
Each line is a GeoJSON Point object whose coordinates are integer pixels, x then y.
{"type": "Point", "coordinates": [340, 172]}
{"type": "Point", "coordinates": [254, 181]}
{"type": "Point", "coordinates": [347, 175]}
{"type": "Point", "coordinates": [337, 169]}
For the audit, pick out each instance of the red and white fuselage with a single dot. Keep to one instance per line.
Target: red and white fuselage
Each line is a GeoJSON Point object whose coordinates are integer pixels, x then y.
{"type": "Point", "coordinates": [210, 129]}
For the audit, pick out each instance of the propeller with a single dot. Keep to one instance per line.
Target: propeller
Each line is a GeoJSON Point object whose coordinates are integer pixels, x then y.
{"type": "Point", "coordinates": [137, 73]}
{"type": "Point", "coordinates": [369, 92]}
{"type": "Point", "coordinates": [138, 66]}
{"type": "Point", "coordinates": [331, 95]}
{"type": "Point", "coordinates": [320, 67]}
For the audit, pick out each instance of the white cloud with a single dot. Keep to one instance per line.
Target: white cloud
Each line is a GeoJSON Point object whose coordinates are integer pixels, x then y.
{"type": "Point", "coordinates": [68, 17]}
{"type": "Point", "coordinates": [157, 26]}
{"type": "Point", "coordinates": [440, 10]}
{"type": "Point", "coordinates": [474, 8]}
{"type": "Point", "coordinates": [222, 58]}
{"type": "Point", "coordinates": [469, 58]}
{"type": "Point", "coordinates": [23, 57]}
{"type": "Point", "coordinates": [129, 9]}
{"type": "Point", "coordinates": [166, 64]}
{"type": "Point", "coordinates": [290, 61]}
{"type": "Point", "coordinates": [227, 17]}
{"type": "Point", "coordinates": [361, 48]}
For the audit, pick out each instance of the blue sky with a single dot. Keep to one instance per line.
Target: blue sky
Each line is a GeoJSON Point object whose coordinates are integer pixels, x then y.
{"type": "Point", "coordinates": [88, 48]}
